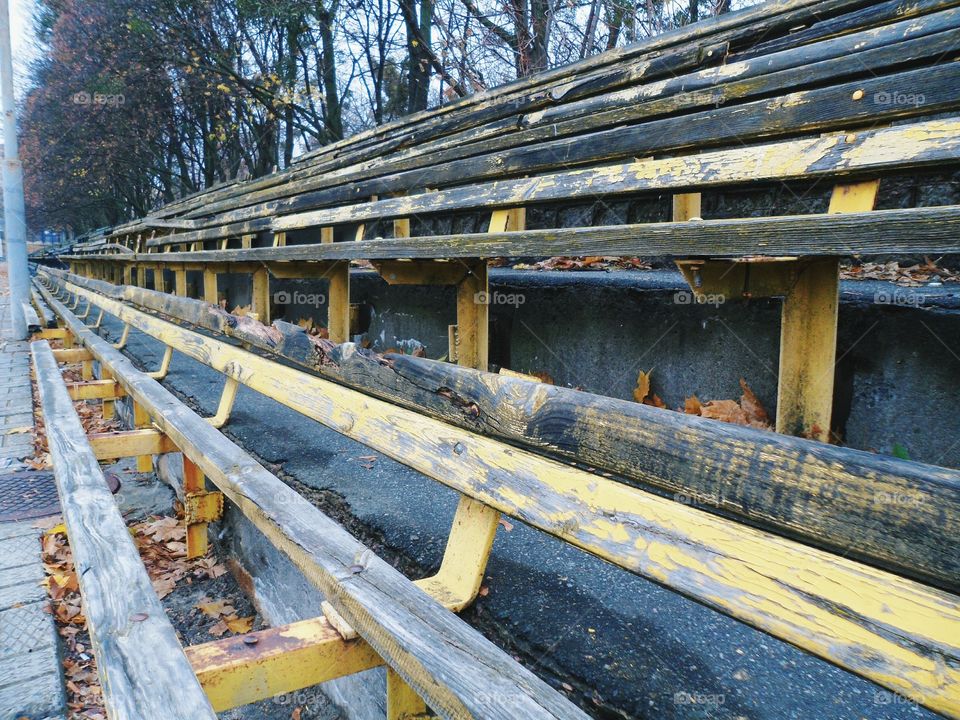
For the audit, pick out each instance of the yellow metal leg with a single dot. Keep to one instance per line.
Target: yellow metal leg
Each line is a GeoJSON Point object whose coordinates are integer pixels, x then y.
{"type": "Point", "coordinates": [141, 419]}
{"type": "Point", "coordinates": [465, 559]}
{"type": "Point", "coordinates": [402, 702]}
{"type": "Point", "coordinates": [123, 338]}
{"type": "Point", "coordinates": [225, 407]}
{"type": "Point", "coordinates": [200, 508]}
{"type": "Point", "coordinates": [164, 365]}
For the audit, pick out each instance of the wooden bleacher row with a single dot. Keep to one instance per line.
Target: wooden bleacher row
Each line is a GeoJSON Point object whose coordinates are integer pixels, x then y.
{"type": "Point", "coordinates": [848, 74]}
{"type": "Point", "coordinates": [144, 671]}
{"type": "Point", "coordinates": [898, 632]}
{"type": "Point", "coordinates": [747, 34]}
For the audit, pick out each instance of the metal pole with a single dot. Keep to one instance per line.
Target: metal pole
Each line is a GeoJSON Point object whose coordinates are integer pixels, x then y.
{"type": "Point", "coordinates": [15, 225]}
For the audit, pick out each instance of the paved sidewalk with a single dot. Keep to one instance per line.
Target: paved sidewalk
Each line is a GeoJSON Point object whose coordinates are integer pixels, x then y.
{"type": "Point", "coordinates": [31, 683]}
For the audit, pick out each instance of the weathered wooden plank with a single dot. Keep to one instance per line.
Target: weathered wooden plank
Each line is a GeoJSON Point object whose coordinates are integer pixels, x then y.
{"type": "Point", "coordinates": [897, 632]}
{"type": "Point", "coordinates": [143, 670]}
{"type": "Point", "coordinates": [891, 513]}
{"type": "Point", "coordinates": [919, 230]}
{"type": "Point", "coordinates": [737, 30]}
{"type": "Point", "coordinates": [448, 663]}
{"type": "Point", "coordinates": [861, 102]}
{"type": "Point", "coordinates": [871, 151]}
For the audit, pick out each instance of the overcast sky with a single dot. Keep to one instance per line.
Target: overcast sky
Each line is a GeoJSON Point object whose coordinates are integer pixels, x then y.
{"type": "Point", "coordinates": [21, 37]}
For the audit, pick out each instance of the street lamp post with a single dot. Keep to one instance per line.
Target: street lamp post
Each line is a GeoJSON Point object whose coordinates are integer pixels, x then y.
{"type": "Point", "coordinates": [15, 225]}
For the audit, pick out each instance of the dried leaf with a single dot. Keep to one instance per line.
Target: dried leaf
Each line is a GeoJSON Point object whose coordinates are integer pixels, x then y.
{"type": "Point", "coordinates": [691, 406]}
{"type": "Point", "coordinates": [642, 389]}
{"type": "Point", "coordinates": [239, 624]}
{"type": "Point", "coordinates": [725, 411]}
{"type": "Point", "coordinates": [216, 608]}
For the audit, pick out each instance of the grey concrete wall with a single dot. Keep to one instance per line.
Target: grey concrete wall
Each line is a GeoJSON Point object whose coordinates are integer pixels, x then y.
{"type": "Point", "coordinates": [898, 348]}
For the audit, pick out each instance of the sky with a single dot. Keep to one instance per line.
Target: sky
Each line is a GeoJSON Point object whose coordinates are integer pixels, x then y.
{"type": "Point", "coordinates": [21, 38]}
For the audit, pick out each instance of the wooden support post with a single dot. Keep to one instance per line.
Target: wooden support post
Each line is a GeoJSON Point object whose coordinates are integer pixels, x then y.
{"type": "Point", "coordinates": [808, 332]}
{"type": "Point", "coordinates": [338, 302]}
{"type": "Point", "coordinates": [107, 408]}
{"type": "Point", "coordinates": [141, 276]}
{"type": "Point", "coordinates": [686, 206]}
{"type": "Point", "coordinates": [86, 369]}
{"type": "Point", "coordinates": [141, 419]}
{"type": "Point", "coordinates": [260, 299]}
{"type": "Point", "coordinates": [210, 289]}
{"type": "Point", "coordinates": [326, 234]}
{"type": "Point", "coordinates": [180, 285]}
{"type": "Point", "coordinates": [159, 279]}
{"type": "Point", "coordinates": [402, 702]}
{"type": "Point", "coordinates": [128, 273]}
{"type": "Point", "coordinates": [279, 239]}
{"type": "Point", "coordinates": [472, 317]}
{"type": "Point", "coordinates": [246, 241]}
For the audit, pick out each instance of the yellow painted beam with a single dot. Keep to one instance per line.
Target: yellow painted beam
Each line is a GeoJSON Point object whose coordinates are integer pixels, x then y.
{"type": "Point", "coordinates": [243, 669]}
{"type": "Point", "coordinates": [421, 272]}
{"type": "Point", "coordinates": [338, 303]}
{"type": "Point", "coordinates": [808, 332]}
{"type": "Point", "coordinates": [402, 702]}
{"type": "Point", "coordinates": [130, 443]}
{"type": "Point", "coordinates": [197, 508]}
{"type": "Point", "coordinates": [72, 355]}
{"type": "Point", "coordinates": [95, 390]}
{"type": "Point", "coordinates": [52, 334]}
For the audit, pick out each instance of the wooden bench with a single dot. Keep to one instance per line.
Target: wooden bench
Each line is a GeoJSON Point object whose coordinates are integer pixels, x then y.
{"type": "Point", "coordinates": [144, 671]}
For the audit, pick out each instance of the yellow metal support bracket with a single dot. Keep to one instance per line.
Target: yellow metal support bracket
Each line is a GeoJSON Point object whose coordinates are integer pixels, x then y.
{"type": "Point", "coordinates": [203, 507]}
{"type": "Point", "coordinates": [124, 336]}
{"type": "Point", "coordinates": [246, 668]}
{"type": "Point", "coordinates": [227, 398]}
{"type": "Point", "coordinates": [164, 365]}
{"type": "Point", "coordinates": [200, 507]}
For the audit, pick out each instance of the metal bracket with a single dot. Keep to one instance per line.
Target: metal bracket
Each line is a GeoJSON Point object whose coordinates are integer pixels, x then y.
{"type": "Point", "coordinates": [164, 365]}
{"type": "Point", "coordinates": [225, 407]}
{"type": "Point", "coordinates": [203, 507]}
